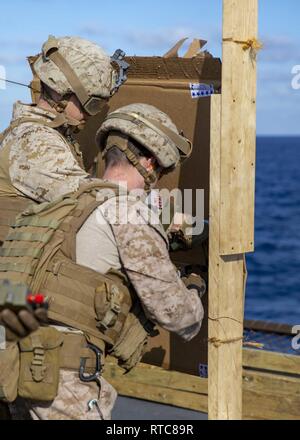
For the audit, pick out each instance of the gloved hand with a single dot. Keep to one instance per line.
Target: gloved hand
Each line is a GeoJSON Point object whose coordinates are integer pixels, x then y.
{"type": "Point", "coordinates": [20, 324]}
{"type": "Point", "coordinates": [180, 235]}
{"type": "Point", "coordinates": [177, 232]}
{"type": "Point", "coordinates": [194, 281]}
{"type": "Point", "coordinates": [21, 313]}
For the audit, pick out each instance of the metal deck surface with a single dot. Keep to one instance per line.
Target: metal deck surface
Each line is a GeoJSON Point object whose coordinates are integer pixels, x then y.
{"type": "Point", "coordinates": [133, 409]}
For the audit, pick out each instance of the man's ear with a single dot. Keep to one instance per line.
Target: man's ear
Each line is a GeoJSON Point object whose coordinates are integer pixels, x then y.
{"type": "Point", "coordinates": [147, 163]}
{"type": "Point", "coordinates": [151, 164]}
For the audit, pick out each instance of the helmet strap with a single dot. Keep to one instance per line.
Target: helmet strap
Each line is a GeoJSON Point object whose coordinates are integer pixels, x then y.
{"type": "Point", "coordinates": [123, 145]}
{"type": "Point", "coordinates": [59, 106]}
{"type": "Point", "coordinates": [59, 109]}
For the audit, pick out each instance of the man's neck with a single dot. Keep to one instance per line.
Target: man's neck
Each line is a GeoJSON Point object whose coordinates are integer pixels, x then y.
{"type": "Point", "coordinates": [121, 177]}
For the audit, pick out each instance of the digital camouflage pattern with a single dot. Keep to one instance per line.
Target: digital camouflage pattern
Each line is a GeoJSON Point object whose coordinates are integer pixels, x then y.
{"type": "Point", "coordinates": [165, 298]}
{"type": "Point", "coordinates": [161, 146]}
{"type": "Point", "coordinates": [71, 403]}
{"type": "Point", "coordinates": [142, 250]}
{"type": "Point", "coordinates": [89, 61]}
{"type": "Point", "coordinates": [42, 164]}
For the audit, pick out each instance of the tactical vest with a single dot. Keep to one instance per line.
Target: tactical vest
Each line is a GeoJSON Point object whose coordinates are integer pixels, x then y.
{"type": "Point", "coordinates": [40, 250]}
{"type": "Point", "coordinates": [11, 202]}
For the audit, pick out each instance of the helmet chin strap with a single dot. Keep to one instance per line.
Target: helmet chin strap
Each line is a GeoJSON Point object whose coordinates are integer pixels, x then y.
{"type": "Point", "coordinates": [122, 144]}
{"type": "Point", "coordinates": [59, 109]}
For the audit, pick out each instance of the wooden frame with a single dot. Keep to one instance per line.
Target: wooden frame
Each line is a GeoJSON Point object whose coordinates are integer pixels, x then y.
{"type": "Point", "coordinates": [250, 384]}
{"type": "Point", "coordinates": [270, 385]}
{"type": "Point", "coordinates": [231, 190]}
{"type": "Point", "coordinates": [232, 185]}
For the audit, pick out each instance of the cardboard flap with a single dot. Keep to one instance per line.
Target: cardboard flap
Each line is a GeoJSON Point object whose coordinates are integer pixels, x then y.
{"type": "Point", "coordinates": [173, 52]}
{"type": "Point", "coordinates": [195, 47]}
{"type": "Point", "coordinates": [193, 50]}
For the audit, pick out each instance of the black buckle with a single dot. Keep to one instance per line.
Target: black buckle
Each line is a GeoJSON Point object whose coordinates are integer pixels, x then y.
{"type": "Point", "coordinates": [118, 58]}
{"type": "Point", "coordinates": [91, 377]}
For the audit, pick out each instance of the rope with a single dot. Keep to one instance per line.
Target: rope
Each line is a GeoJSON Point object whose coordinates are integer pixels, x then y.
{"type": "Point", "coordinates": [218, 342]}
{"type": "Point", "coordinates": [252, 43]}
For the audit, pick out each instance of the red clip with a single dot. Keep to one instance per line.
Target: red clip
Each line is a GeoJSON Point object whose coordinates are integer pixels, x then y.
{"type": "Point", "coordinates": [39, 299]}
{"type": "Point", "coordinates": [31, 298]}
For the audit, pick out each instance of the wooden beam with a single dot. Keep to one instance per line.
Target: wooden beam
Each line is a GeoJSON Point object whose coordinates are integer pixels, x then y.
{"type": "Point", "coordinates": [269, 361]}
{"type": "Point", "coordinates": [231, 209]}
{"type": "Point", "coordinates": [225, 312]}
{"type": "Point", "coordinates": [265, 395]}
{"type": "Point", "coordinates": [159, 377]}
{"type": "Point", "coordinates": [238, 127]}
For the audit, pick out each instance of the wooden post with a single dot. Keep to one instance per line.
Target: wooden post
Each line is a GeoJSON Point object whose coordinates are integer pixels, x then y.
{"type": "Point", "coordinates": [232, 186]}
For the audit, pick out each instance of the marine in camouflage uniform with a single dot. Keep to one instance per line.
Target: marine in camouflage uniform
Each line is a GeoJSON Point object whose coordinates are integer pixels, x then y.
{"type": "Point", "coordinates": [39, 158]}
{"type": "Point", "coordinates": [37, 161]}
{"type": "Point", "coordinates": [137, 246]}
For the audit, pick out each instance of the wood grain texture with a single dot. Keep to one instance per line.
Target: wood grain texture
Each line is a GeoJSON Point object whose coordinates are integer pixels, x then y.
{"type": "Point", "coordinates": [276, 362]}
{"type": "Point", "coordinates": [238, 128]}
{"type": "Point", "coordinates": [226, 301]}
{"type": "Point", "coordinates": [266, 395]}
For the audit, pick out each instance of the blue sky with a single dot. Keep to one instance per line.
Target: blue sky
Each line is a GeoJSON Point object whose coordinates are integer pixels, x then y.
{"type": "Point", "coordinates": [151, 28]}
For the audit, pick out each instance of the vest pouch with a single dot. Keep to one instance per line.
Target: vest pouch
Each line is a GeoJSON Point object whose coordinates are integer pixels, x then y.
{"type": "Point", "coordinates": [9, 372]}
{"type": "Point", "coordinates": [39, 364]}
{"type": "Point", "coordinates": [112, 305]}
{"type": "Point", "coordinates": [131, 344]}
{"type": "Point", "coordinates": [102, 300]}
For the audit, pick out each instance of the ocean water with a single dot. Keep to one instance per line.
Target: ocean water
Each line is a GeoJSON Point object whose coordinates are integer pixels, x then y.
{"type": "Point", "coordinates": [273, 288]}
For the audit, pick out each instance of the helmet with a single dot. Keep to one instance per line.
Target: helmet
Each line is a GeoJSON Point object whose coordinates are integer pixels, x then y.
{"type": "Point", "coordinates": [74, 65]}
{"type": "Point", "coordinates": [152, 128]}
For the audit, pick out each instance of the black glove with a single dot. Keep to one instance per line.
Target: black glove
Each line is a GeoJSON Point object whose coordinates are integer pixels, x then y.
{"type": "Point", "coordinates": [194, 281]}
{"type": "Point", "coordinates": [20, 312]}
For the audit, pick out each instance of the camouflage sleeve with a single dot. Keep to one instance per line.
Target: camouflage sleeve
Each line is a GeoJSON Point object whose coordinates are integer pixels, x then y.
{"type": "Point", "coordinates": [165, 299]}
{"type": "Point", "coordinates": [42, 166]}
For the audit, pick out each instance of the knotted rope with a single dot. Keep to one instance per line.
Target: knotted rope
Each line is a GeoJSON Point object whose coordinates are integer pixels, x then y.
{"type": "Point", "coordinates": [218, 342]}
{"type": "Point", "coordinates": [251, 44]}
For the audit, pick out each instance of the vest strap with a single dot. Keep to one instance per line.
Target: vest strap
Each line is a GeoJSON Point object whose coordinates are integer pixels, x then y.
{"type": "Point", "coordinates": [28, 236]}
{"type": "Point", "coordinates": [20, 252]}
{"type": "Point", "coordinates": [38, 222]}
{"type": "Point", "coordinates": [27, 268]}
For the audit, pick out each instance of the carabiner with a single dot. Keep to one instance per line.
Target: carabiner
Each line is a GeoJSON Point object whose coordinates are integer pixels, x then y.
{"type": "Point", "coordinates": [98, 370]}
